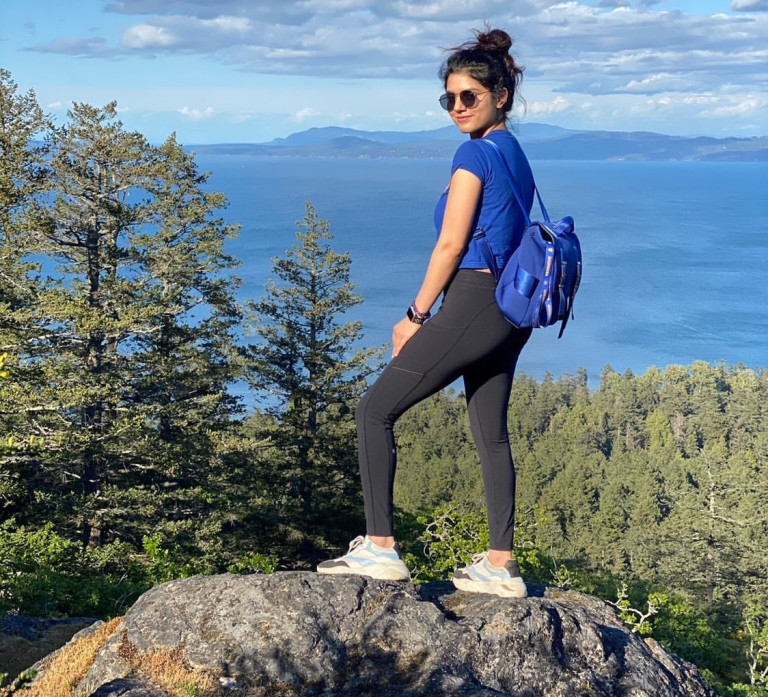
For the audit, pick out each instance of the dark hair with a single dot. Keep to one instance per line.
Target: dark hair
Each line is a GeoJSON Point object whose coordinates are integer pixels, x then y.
{"type": "Point", "coordinates": [487, 60]}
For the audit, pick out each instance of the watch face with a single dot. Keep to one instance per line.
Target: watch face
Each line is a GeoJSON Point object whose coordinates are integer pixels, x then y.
{"type": "Point", "coordinates": [414, 317]}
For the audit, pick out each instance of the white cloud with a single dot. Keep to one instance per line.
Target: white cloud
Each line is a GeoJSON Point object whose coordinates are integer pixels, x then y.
{"type": "Point", "coordinates": [232, 25]}
{"type": "Point", "coordinates": [328, 6]}
{"type": "Point", "coordinates": [142, 36]}
{"type": "Point", "coordinates": [268, 11]}
{"type": "Point", "coordinates": [744, 107]}
{"type": "Point", "coordinates": [749, 5]}
{"type": "Point", "coordinates": [304, 114]}
{"type": "Point", "coordinates": [444, 10]}
{"type": "Point", "coordinates": [95, 47]}
{"type": "Point", "coordinates": [54, 105]}
{"type": "Point", "coordinates": [554, 106]}
{"type": "Point", "coordinates": [699, 99]}
{"type": "Point", "coordinates": [241, 117]}
{"type": "Point", "coordinates": [661, 82]}
{"type": "Point", "coordinates": [196, 114]}
{"type": "Point", "coordinates": [191, 35]}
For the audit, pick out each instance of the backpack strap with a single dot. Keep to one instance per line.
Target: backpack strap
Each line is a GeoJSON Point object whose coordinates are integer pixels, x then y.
{"type": "Point", "coordinates": [479, 234]}
{"type": "Point", "coordinates": [485, 249]}
{"type": "Point", "coordinates": [508, 172]}
{"type": "Point", "coordinates": [569, 306]}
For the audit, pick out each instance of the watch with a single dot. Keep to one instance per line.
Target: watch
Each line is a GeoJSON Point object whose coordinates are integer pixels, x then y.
{"type": "Point", "coordinates": [415, 316]}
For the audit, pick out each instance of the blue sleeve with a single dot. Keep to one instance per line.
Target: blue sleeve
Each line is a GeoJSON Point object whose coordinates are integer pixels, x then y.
{"type": "Point", "coordinates": [469, 157]}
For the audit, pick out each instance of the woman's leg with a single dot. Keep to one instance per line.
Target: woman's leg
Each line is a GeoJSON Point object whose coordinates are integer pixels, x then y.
{"type": "Point", "coordinates": [487, 385]}
{"type": "Point", "coordinates": [396, 390]}
{"type": "Point", "coordinates": [467, 328]}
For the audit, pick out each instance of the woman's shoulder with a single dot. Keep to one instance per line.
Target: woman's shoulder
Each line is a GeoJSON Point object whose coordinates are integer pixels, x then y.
{"type": "Point", "coordinates": [468, 147]}
{"type": "Point", "coordinates": [512, 150]}
{"type": "Point", "coordinates": [471, 155]}
{"type": "Point", "coordinates": [506, 140]}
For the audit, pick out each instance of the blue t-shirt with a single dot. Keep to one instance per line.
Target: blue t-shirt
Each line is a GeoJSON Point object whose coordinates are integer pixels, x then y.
{"type": "Point", "coordinates": [497, 211]}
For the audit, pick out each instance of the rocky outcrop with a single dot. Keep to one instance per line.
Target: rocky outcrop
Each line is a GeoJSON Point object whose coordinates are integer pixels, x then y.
{"type": "Point", "coordinates": [298, 633]}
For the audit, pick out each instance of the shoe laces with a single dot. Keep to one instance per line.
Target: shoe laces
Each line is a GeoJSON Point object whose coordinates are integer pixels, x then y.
{"type": "Point", "coordinates": [477, 558]}
{"type": "Point", "coordinates": [483, 556]}
{"type": "Point", "coordinates": [359, 541]}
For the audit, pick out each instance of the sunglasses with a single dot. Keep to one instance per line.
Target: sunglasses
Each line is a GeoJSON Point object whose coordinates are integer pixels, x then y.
{"type": "Point", "coordinates": [468, 98]}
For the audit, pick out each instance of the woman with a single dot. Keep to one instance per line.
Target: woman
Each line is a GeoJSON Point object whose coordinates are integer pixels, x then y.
{"type": "Point", "coordinates": [467, 337]}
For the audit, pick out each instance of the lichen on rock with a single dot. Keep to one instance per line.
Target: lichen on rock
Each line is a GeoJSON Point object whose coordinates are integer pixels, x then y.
{"type": "Point", "coordinates": [302, 634]}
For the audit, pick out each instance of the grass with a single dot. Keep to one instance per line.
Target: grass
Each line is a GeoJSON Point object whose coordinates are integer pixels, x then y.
{"type": "Point", "coordinates": [70, 665]}
{"type": "Point", "coordinates": [166, 668]}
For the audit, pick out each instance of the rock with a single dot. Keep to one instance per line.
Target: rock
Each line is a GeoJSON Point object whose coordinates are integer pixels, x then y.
{"type": "Point", "coordinates": [25, 640]}
{"type": "Point", "coordinates": [129, 687]}
{"type": "Point", "coordinates": [299, 633]}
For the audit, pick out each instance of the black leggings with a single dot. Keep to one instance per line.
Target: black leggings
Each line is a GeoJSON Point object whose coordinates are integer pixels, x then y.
{"type": "Point", "coordinates": [467, 337]}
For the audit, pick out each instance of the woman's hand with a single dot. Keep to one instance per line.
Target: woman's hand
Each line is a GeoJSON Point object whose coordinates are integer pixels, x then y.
{"type": "Point", "coordinates": [402, 334]}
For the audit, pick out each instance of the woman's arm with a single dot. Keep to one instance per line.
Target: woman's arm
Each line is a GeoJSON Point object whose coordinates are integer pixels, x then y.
{"type": "Point", "coordinates": [463, 196]}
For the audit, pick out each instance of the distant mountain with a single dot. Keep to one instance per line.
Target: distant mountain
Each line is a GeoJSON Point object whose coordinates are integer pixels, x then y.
{"type": "Point", "coordinates": [609, 145]}
{"type": "Point", "coordinates": [317, 136]}
{"type": "Point", "coordinates": [542, 142]}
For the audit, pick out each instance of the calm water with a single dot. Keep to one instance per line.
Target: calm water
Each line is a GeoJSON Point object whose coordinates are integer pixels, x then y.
{"type": "Point", "coordinates": [675, 254]}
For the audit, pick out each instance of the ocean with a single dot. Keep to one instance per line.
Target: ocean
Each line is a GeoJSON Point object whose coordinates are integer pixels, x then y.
{"type": "Point", "coordinates": [675, 253]}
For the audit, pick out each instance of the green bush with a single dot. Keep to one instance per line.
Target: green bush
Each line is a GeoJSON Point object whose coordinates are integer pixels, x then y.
{"type": "Point", "coordinates": [448, 539]}
{"type": "Point", "coordinates": [687, 632]}
{"type": "Point", "coordinates": [254, 563]}
{"type": "Point", "coordinates": [45, 575]}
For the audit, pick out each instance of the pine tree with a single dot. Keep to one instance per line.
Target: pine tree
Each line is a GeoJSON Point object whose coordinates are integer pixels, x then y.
{"type": "Point", "coordinates": [310, 376]}
{"type": "Point", "coordinates": [128, 335]}
{"type": "Point", "coordinates": [23, 174]}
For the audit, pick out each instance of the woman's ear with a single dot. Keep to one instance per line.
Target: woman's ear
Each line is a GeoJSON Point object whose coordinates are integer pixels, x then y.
{"type": "Point", "coordinates": [503, 97]}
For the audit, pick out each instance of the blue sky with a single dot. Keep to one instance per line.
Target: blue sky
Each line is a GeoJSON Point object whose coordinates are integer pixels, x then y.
{"type": "Point", "coordinates": [253, 70]}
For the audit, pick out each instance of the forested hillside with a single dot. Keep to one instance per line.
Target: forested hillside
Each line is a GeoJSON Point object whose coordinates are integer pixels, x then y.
{"type": "Point", "coordinates": [661, 477]}
{"type": "Point", "coordinates": [659, 481]}
{"type": "Point", "coordinates": [127, 460]}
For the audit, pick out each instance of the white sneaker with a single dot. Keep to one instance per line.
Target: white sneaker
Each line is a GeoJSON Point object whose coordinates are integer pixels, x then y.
{"type": "Point", "coordinates": [482, 577]}
{"type": "Point", "coordinates": [368, 559]}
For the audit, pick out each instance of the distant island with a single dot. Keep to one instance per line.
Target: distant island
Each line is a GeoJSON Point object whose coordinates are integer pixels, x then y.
{"type": "Point", "coordinates": [541, 141]}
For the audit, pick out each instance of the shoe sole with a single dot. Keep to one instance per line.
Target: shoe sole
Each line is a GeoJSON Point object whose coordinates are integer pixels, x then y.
{"type": "Point", "coordinates": [504, 589]}
{"type": "Point", "coordinates": [382, 575]}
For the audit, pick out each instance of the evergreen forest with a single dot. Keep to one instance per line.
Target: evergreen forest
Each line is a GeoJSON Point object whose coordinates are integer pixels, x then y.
{"type": "Point", "coordinates": [126, 458]}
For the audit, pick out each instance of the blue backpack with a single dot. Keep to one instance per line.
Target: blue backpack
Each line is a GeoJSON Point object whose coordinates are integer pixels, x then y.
{"type": "Point", "coordinates": [537, 285]}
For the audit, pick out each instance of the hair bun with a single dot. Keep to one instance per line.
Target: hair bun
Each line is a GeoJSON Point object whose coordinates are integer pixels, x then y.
{"type": "Point", "coordinates": [494, 40]}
